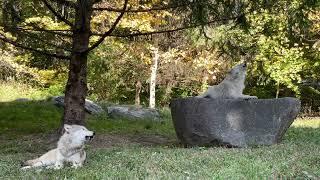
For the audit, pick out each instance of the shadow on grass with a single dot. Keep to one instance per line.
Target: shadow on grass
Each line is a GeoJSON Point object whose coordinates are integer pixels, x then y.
{"type": "Point", "coordinates": [33, 117]}
{"type": "Point", "coordinates": [18, 118]}
{"type": "Point", "coordinates": [38, 119]}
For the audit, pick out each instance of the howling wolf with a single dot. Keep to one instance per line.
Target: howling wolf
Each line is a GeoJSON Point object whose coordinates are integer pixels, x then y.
{"type": "Point", "coordinates": [231, 87]}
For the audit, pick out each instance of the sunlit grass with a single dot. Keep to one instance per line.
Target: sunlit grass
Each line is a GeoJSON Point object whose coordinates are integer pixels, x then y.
{"type": "Point", "coordinates": [10, 91]}
{"type": "Point", "coordinates": [28, 117]}
{"type": "Point", "coordinates": [307, 123]}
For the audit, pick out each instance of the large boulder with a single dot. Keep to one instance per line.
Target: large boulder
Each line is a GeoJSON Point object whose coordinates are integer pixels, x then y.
{"type": "Point", "coordinates": [90, 107]}
{"type": "Point", "coordinates": [235, 122]}
{"type": "Point", "coordinates": [132, 112]}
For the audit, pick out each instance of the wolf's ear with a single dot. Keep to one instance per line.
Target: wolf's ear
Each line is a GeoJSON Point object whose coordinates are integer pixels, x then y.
{"type": "Point", "coordinates": [67, 127]}
{"type": "Point", "coordinates": [230, 71]}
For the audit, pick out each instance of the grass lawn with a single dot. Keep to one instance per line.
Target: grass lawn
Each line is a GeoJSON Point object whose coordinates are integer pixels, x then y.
{"type": "Point", "coordinates": [149, 150]}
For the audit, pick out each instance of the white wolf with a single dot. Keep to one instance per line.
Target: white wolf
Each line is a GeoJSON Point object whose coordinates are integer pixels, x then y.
{"type": "Point", "coordinates": [232, 86]}
{"type": "Point", "coordinates": [70, 149]}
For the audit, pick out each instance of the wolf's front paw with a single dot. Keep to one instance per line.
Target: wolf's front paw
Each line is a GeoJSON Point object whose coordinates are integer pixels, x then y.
{"type": "Point", "coordinates": [76, 165]}
{"type": "Point", "coordinates": [249, 97]}
{"type": "Point", "coordinates": [25, 167]}
{"type": "Point", "coordinates": [58, 166]}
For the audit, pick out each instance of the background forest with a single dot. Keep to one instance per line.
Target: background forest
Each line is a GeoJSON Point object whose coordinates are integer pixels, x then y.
{"type": "Point", "coordinates": [280, 40]}
{"type": "Point", "coordinates": [124, 52]}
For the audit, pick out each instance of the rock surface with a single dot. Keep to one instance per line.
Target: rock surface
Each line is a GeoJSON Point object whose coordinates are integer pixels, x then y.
{"type": "Point", "coordinates": [235, 122]}
{"type": "Point", "coordinates": [22, 100]}
{"type": "Point", "coordinates": [132, 112]}
{"type": "Point", "coordinates": [90, 106]}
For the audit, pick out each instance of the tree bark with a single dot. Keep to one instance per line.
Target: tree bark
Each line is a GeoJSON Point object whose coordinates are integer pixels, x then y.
{"type": "Point", "coordinates": [168, 91]}
{"type": "Point", "coordinates": [153, 77]}
{"type": "Point", "coordinates": [138, 91]}
{"type": "Point", "coordinates": [10, 15]}
{"type": "Point", "coordinates": [76, 88]}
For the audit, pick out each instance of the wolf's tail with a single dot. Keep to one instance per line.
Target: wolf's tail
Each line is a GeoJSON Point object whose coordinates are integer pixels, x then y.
{"type": "Point", "coordinates": [29, 162]}
{"type": "Point", "coordinates": [205, 95]}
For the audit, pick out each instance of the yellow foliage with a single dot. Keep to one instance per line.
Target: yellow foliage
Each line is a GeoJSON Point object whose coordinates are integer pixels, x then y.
{"type": "Point", "coordinates": [141, 22]}
{"type": "Point", "coordinates": [46, 22]}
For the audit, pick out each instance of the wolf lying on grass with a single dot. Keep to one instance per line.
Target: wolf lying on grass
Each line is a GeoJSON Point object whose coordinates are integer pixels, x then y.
{"type": "Point", "coordinates": [70, 149]}
{"type": "Point", "coordinates": [231, 87]}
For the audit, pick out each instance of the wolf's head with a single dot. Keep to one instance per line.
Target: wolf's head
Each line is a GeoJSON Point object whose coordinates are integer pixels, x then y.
{"type": "Point", "coordinates": [79, 134]}
{"type": "Point", "coordinates": [237, 73]}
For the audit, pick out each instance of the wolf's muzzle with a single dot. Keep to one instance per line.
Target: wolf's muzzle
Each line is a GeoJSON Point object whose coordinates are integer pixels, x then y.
{"type": "Point", "coordinates": [90, 137]}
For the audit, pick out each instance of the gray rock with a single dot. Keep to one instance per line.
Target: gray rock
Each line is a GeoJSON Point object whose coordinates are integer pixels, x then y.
{"type": "Point", "coordinates": [132, 112]}
{"type": "Point", "coordinates": [22, 100]}
{"type": "Point", "coordinates": [90, 107]}
{"type": "Point", "coordinates": [58, 101]}
{"type": "Point", "coordinates": [236, 122]}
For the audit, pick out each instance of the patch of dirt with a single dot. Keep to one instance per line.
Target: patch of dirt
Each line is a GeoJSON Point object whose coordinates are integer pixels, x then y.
{"type": "Point", "coordinates": [120, 140]}
{"type": "Point", "coordinates": [46, 142]}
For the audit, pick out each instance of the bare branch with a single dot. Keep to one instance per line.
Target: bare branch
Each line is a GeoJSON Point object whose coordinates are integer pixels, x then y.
{"type": "Point", "coordinates": [168, 31]}
{"type": "Point", "coordinates": [66, 3]}
{"type": "Point", "coordinates": [57, 32]}
{"type": "Point", "coordinates": [56, 13]}
{"type": "Point", "coordinates": [16, 44]}
{"type": "Point", "coordinates": [34, 36]}
{"type": "Point", "coordinates": [96, 44]}
{"type": "Point", "coordinates": [141, 10]}
{"type": "Point", "coordinates": [34, 27]}
{"type": "Point", "coordinates": [96, 1]}
{"type": "Point", "coordinates": [37, 29]}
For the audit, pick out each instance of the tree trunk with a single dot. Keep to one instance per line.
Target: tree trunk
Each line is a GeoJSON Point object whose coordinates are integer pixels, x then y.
{"type": "Point", "coordinates": [138, 91]}
{"type": "Point", "coordinates": [76, 88]}
{"type": "Point", "coordinates": [154, 67]}
{"type": "Point", "coordinates": [10, 15]}
{"type": "Point", "coordinates": [168, 91]}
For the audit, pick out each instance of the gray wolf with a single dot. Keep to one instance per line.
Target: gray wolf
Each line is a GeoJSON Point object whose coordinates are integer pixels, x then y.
{"type": "Point", "coordinates": [231, 87]}
{"type": "Point", "coordinates": [70, 148]}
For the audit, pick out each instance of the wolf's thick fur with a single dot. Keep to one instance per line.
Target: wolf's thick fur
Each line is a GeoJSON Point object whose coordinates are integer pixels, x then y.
{"type": "Point", "coordinates": [232, 86]}
{"type": "Point", "coordinates": [70, 149]}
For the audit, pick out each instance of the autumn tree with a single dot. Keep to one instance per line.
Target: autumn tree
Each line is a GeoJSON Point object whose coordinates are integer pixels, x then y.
{"type": "Point", "coordinates": [80, 36]}
{"type": "Point", "coordinates": [283, 39]}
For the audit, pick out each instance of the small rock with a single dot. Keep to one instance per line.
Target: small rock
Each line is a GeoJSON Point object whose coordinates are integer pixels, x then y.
{"type": "Point", "coordinates": [90, 107]}
{"type": "Point", "coordinates": [58, 101]}
{"type": "Point", "coordinates": [132, 112]}
{"type": "Point", "coordinates": [22, 100]}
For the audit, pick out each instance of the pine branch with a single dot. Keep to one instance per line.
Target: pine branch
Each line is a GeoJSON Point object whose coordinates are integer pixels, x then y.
{"type": "Point", "coordinates": [96, 1]}
{"type": "Point", "coordinates": [34, 36]}
{"type": "Point", "coordinates": [58, 15]}
{"type": "Point", "coordinates": [66, 3]}
{"type": "Point", "coordinates": [16, 44]}
{"type": "Point", "coordinates": [111, 9]}
{"type": "Point", "coordinates": [103, 36]}
{"type": "Point", "coordinates": [37, 29]}
{"type": "Point", "coordinates": [170, 30]}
